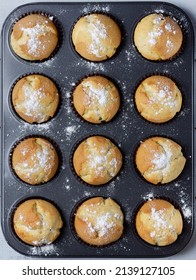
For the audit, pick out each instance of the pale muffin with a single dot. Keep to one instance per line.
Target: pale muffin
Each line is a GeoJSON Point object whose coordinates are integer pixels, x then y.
{"type": "Point", "coordinates": [34, 37]}
{"type": "Point", "coordinates": [158, 37]}
{"type": "Point", "coordinates": [37, 222]}
{"type": "Point", "coordinates": [99, 221]}
{"type": "Point", "coordinates": [96, 37]}
{"type": "Point", "coordinates": [158, 222]}
{"type": "Point", "coordinates": [159, 160]}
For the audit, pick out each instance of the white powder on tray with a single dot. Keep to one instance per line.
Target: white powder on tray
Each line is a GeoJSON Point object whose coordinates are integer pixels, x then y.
{"type": "Point", "coordinates": [45, 250]}
{"type": "Point", "coordinates": [95, 8]}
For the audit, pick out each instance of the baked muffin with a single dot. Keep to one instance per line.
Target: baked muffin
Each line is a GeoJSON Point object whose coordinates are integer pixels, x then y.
{"type": "Point", "coordinates": [96, 99]}
{"type": "Point", "coordinates": [99, 221]}
{"type": "Point", "coordinates": [158, 37]}
{"type": "Point", "coordinates": [96, 37]}
{"type": "Point", "coordinates": [158, 222]}
{"type": "Point", "coordinates": [35, 98]}
{"type": "Point", "coordinates": [35, 160]}
{"type": "Point", "coordinates": [34, 37]}
{"type": "Point", "coordinates": [158, 99]}
{"type": "Point", "coordinates": [97, 160]}
{"type": "Point", "coordinates": [159, 160]}
{"type": "Point", "coordinates": [37, 222]}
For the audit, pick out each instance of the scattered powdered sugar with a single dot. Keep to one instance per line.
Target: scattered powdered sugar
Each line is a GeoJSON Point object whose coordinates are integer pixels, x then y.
{"type": "Point", "coordinates": [130, 55]}
{"type": "Point", "coordinates": [67, 184]}
{"type": "Point", "coordinates": [46, 250]}
{"type": "Point", "coordinates": [89, 8]}
{"type": "Point", "coordinates": [87, 193]}
{"type": "Point", "coordinates": [185, 201]}
{"type": "Point", "coordinates": [159, 11]}
{"type": "Point", "coordinates": [70, 130]}
{"type": "Point", "coordinates": [148, 196]}
{"type": "Point", "coordinates": [35, 127]}
{"type": "Point", "coordinates": [91, 66]}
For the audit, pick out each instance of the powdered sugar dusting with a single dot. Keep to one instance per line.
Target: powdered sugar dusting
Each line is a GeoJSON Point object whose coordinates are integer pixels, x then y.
{"type": "Point", "coordinates": [162, 160]}
{"type": "Point", "coordinates": [97, 33]}
{"type": "Point", "coordinates": [96, 94]}
{"type": "Point", "coordinates": [34, 44]}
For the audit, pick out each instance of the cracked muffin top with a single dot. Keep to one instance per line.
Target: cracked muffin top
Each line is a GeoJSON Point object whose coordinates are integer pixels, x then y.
{"type": "Point", "coordinates": [158, 37]}
{"type": "Point", "coordinates": [99, 221]}
{"type": "Point", "coordinates": [35, 160]}
{"type": "Point", "coordinates": [96, 37]}
{"type": "Point", "coordinates": [96, 99]}
{"type": "Point", "coordinates": [37, 222]}
{"type": "Point", "coordinates": [97, 160]}
{"type": "Point", "coordinates": [158, 99]}
{"type": "Point", "coordinates": [35, 98]}
{"type": "Point", "coordinates": [159, 160]}
{"type": "Point", "coordinates": [158, 222]}
{"type": "Point", "coordinates": [34, 37]}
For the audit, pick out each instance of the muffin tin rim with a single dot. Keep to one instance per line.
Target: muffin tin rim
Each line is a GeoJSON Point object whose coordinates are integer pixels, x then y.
{"type": "Point", "coordinates": [39, 3]}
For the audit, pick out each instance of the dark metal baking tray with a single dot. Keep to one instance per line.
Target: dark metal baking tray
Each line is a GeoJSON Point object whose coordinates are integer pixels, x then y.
{"type": "Point", "coordinates": [127, 68]}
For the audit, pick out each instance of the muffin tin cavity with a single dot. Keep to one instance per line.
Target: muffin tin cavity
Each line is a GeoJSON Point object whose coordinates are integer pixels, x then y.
{"type": "Point", "coordinates": [126, 129]}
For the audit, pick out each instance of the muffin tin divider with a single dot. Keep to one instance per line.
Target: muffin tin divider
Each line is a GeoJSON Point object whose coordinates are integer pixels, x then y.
{"type": "Point", "coordinates": [66, 68]}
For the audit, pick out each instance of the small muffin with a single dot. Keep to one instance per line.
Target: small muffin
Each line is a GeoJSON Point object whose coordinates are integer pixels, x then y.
{"type": "Point", "coordinates": [99, 221]}
{"type": "Point", "coordinates": [34, 37]}
{"type": "Point", "coordinates": [97, 160]}
{"type": "Point", "coordinates": [35, 161]}
{"type": "Point", "coordinates": [96, 99]}
{"type": "Point", "coordinates": [159, 160]}
{"type": "Point", "coordinates": [158, 222]}
{"type": "Point", "coordinates": [158, 99]}
{"type": "Point", "coordinates": [35, 98]}
{"type": "Point", "coordinates": [96, 37]}
{"type": "Point", "coordinates": [37, 222]}
{"type": "Point", "coordinates": [158, 37]}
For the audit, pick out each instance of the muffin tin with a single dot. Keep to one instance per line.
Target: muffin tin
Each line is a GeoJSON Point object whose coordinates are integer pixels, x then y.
{"type": "Point", "coordinates": [127, 69]}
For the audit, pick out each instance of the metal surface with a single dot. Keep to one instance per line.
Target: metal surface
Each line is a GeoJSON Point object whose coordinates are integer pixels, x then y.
{"type": "Point", "coordinates": [127, 68]}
